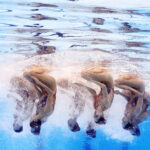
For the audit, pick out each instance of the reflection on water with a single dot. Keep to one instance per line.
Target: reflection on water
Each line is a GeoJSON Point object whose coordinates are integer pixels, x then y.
{"type": "Point", "coordinates": [77, 34]}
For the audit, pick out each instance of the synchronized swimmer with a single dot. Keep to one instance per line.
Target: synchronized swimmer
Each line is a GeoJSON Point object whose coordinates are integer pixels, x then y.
{"type": "Point", "coordinates": [45, 89]}
{"type": "Point", "coordinates": [137, 102]}
{"type": "Point", "coordinates": [104, 99]}
{"type": "Point", "coordinates": [36, 84]}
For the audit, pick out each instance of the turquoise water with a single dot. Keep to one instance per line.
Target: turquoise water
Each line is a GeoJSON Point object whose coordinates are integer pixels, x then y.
{"type": "Point", "coordinates": [61, 35]}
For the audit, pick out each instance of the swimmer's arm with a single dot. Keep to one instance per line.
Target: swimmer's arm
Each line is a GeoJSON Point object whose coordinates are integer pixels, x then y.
{"type": "Point", "coordinates": [131, 89]}
{"type": "Point", "coordinates": [138, 107]}
{"type": "Point", "coordinates": [48, 90]}
{"type": "Point", "coordinates": [39, 92]}
{"type": "Point", "coordinates": [93, 92]}
{"type": "Point", "coordinates": [103, 87]}
{"type": "Point", "coordinates": [125, 94]}
{"type": "Point", "coordinates": [147, 98]}
{"type": "Point", "coordinates": [142, 117]}
{"type": "Point", "coordinates": [30, 78]}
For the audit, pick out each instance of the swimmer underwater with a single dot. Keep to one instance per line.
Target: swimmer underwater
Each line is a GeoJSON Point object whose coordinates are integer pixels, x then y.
{"type": "Point", "coordinates": [45, 87]}
{"type": "Point", "coordinates": [103, 100]}
{"type": "Point", "coordinates": [81, 92]}
{"type": "Point", "coordinates": [37, 84]}
{"type": "Point", "coordinates": [25, 101]}
{"type": "Point", "coordinates": [137, 102]}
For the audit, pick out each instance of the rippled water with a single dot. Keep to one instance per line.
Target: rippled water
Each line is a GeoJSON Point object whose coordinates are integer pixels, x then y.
{"type": "Point", "coordinates": [67, 36]}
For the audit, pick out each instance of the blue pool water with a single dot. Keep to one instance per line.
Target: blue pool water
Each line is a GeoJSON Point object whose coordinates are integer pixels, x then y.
{"type": "Point", "coordinates": [65, 32]}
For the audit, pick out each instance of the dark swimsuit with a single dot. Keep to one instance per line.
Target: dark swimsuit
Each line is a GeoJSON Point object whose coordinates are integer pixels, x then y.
{"type": "Point", "coordinates": [108, 90]}
{"type": "Point", "coordinates": [134, 101]}
{"type": "Point", "coordinates": [43, 103]}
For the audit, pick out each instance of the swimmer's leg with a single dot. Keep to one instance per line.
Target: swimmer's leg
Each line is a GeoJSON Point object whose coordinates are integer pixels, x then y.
{"type": "Point", "coordinates": [93, 92]}
{"type": "Point", "coordinates": [18, 123]}
{"type": "Point", "coordinates": [78, 106]}
{"type": "Point", "coordinates": [125, 93]}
